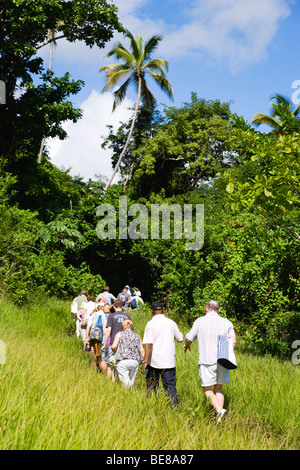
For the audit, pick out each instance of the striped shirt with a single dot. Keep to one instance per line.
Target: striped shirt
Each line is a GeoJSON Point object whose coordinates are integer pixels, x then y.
{"type": "Point", "coordinates": [206, 329]}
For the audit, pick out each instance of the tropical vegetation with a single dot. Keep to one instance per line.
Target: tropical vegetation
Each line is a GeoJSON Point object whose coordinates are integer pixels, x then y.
{"type": "Point", "coordinates": [136, 64]}
{"type": "Point", "coordinates": [195, 154]}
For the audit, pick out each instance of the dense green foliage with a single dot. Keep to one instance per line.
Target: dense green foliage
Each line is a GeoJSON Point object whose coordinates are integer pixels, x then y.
{"type": "Point", "coordinates": [34, 109]}
{"type": "Point", "coordinates": [195, 154]}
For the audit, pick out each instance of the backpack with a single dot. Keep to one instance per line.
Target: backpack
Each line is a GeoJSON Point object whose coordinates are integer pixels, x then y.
{"type": "Point", "coordinates": [135, 291]}
{"type": "Point", "coordinates": [133, 303]}
{"type": "Point", "coordinates": [102, 300]}
{"type": "Point", "coordinates": [74, 309]}
{"type": "Point", "coordinates": [97, 332]}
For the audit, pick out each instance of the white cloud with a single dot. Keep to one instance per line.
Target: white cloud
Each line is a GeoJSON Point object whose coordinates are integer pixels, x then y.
{"type": "Point", "coordinates": [234, 32]}
{"type": "Point", "coordinates": [82, 151]}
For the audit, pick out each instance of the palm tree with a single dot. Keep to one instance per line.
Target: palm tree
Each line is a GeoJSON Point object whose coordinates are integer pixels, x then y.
{"type": "Point", "coordinates": [135, 64]}
{"type": "Point", "coordinates": [52, 41]}
{"type": "Point", "coordinates": [283, 119]}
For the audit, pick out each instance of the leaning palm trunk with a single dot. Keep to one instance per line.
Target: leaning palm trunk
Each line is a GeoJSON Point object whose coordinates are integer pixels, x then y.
{"type": "Point", "coordinates": [127, 141]}
{"type": "Point", "coordinates": [49, 84]}
{"type": "Point", "coordinates": [128, 176]}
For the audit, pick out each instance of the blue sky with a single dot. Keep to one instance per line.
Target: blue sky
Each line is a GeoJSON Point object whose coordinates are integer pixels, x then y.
{"type": "Point", "coordinates": [237, 51]}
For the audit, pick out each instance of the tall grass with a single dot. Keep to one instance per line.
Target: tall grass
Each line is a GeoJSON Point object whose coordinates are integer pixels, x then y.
{"type": "Point", "coordinates": [51, 396]}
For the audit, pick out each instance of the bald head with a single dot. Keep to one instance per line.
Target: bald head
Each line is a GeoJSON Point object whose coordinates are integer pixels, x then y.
{"type": "Point", "coordinates": [212, 305]}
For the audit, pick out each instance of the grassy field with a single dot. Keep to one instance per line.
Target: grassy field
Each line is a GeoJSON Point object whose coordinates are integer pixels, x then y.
{"type": "Point", "coordinates": [51, 396]}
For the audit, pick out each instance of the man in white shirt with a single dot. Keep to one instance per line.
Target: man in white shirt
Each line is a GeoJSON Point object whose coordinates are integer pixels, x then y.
{"type": "Point", "coordinates": [211, 374]}
{"type": "Point", "coordinates": [159, 360]}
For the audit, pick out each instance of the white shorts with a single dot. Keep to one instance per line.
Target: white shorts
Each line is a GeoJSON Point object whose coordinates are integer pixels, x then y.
{"type": "Point", "coordinates": [213, 374]}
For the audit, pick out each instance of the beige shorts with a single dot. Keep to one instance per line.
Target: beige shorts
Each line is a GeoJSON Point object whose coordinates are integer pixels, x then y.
{"type": "Point", "coordinates": [213, 374]}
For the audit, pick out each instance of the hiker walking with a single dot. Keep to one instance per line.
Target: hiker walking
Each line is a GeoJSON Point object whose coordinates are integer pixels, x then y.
{"type": "Point", "coordinates": [125, 297]}
{"type": "Point", "coordinates": [129, 353]}
{"type": "Point", "coordinates": [211, 374]}
{"type": "Point", "coordinates": [106, 296]}
{"type": "Point", "coordinates": [159, 359]}
{"type": "Point", "coordinates": [113, 326]}
{"type": "Point", "coordinates": [76, 303]}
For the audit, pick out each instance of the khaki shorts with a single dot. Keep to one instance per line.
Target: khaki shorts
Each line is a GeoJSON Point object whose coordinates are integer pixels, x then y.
{"type": "Point", "coordinates": [213, 374]}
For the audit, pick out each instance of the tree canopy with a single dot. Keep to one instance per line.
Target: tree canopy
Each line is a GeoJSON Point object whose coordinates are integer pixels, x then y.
{"type": "Point", "coordinates": [32, 109]}
{"type": "Point", "coordinates": [196, 154]}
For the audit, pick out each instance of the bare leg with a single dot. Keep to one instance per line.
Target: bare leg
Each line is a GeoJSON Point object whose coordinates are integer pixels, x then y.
{"type": "Point", "coordinates": [214, 399]}
{"type": "Point", "coordinates": [219, 395]}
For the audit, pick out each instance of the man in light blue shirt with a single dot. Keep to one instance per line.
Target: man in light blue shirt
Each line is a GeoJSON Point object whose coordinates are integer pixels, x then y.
{"type": "Point", "coordinates": [106, 296]}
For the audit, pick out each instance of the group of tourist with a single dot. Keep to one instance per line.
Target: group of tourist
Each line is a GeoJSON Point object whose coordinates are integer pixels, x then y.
{"type": "Point", "coordinates": [119, 350]}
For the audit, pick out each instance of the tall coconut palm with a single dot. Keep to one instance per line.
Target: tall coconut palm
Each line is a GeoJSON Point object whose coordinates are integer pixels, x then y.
{"type": "Point", "coordinates": [52, 41]}
{"type": "Point", "coordinates": [136, 63]}
{"type": "Point", "coordinates": [283, 119]}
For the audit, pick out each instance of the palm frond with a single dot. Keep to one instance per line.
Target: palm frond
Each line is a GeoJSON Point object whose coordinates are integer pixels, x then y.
{"type": "Point", "coordinates": [120, 93]}
{"type": "Point", "coordinates": [281, 99]}
{"type": "Point", "coordinates": [260, 119]}
{"type": "Point", "coordinates": [151, 46]}
{"type": "Point", "coordinates": [114, 76]}
{"type": "Point", "coordinates": [147, 97]}
{"type": "Point", "coordinates": [297, 111]}
{"type": "Point", "coordinates": [157, 65]}
{"type": "Point", "coordinates": [121, 53]}
{"type": "Point", "coordinates": [164, 84]}
{"type": "Point", "coordinates": [136, 44]}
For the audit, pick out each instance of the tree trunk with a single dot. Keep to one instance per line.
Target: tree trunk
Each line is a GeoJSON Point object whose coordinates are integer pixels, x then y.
{"type": "Point", "coordinates": [127, 141]}
{"type": "Point", "coordinates": [51, 38]}
{"type": "Point", "coordinates": [128, 177]}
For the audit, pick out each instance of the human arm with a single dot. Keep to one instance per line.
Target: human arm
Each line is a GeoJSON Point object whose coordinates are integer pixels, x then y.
{"type": "Point", "coordinates": [231, 334]}
{"type": "Point", "coordinates": [142, 351]}
{"type": "Point", "coordinates": [83, 315]}
{"type": "Point", "coordinates": [148, 352]}
{"type": "Point", "coordinates": [87, 334]}
{"type": "Point", "coordinates": [233, 339]}
{"type": "Point", "coordinates": [191, 336]}
{"type": "Point", "coordinates": [115, 344]}
{"type": "Point", "coordinates": [106, 336]}
{"type": "Point", "coordinates": [178, 336]}
{"type": "Point", "coordinates": [187, 344]}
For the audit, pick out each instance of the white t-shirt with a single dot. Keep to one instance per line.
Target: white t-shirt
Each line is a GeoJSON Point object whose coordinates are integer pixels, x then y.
{"type": "Point", "coordinates": [161, 332]}
{"type": "Point", "coordinates": [89, 307]}
{"type": "Point", "coordinates": [93, 319]}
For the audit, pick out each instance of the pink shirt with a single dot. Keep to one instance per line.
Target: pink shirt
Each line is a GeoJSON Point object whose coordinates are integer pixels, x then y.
{"type": "Point", "coordinates": [161, 332]}
{"type": "Point", "coordinates": [207, 329]}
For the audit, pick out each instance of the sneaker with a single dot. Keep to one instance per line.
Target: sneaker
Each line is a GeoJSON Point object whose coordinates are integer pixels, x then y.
{"type": "Point", "coordinates": [222, 413]}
